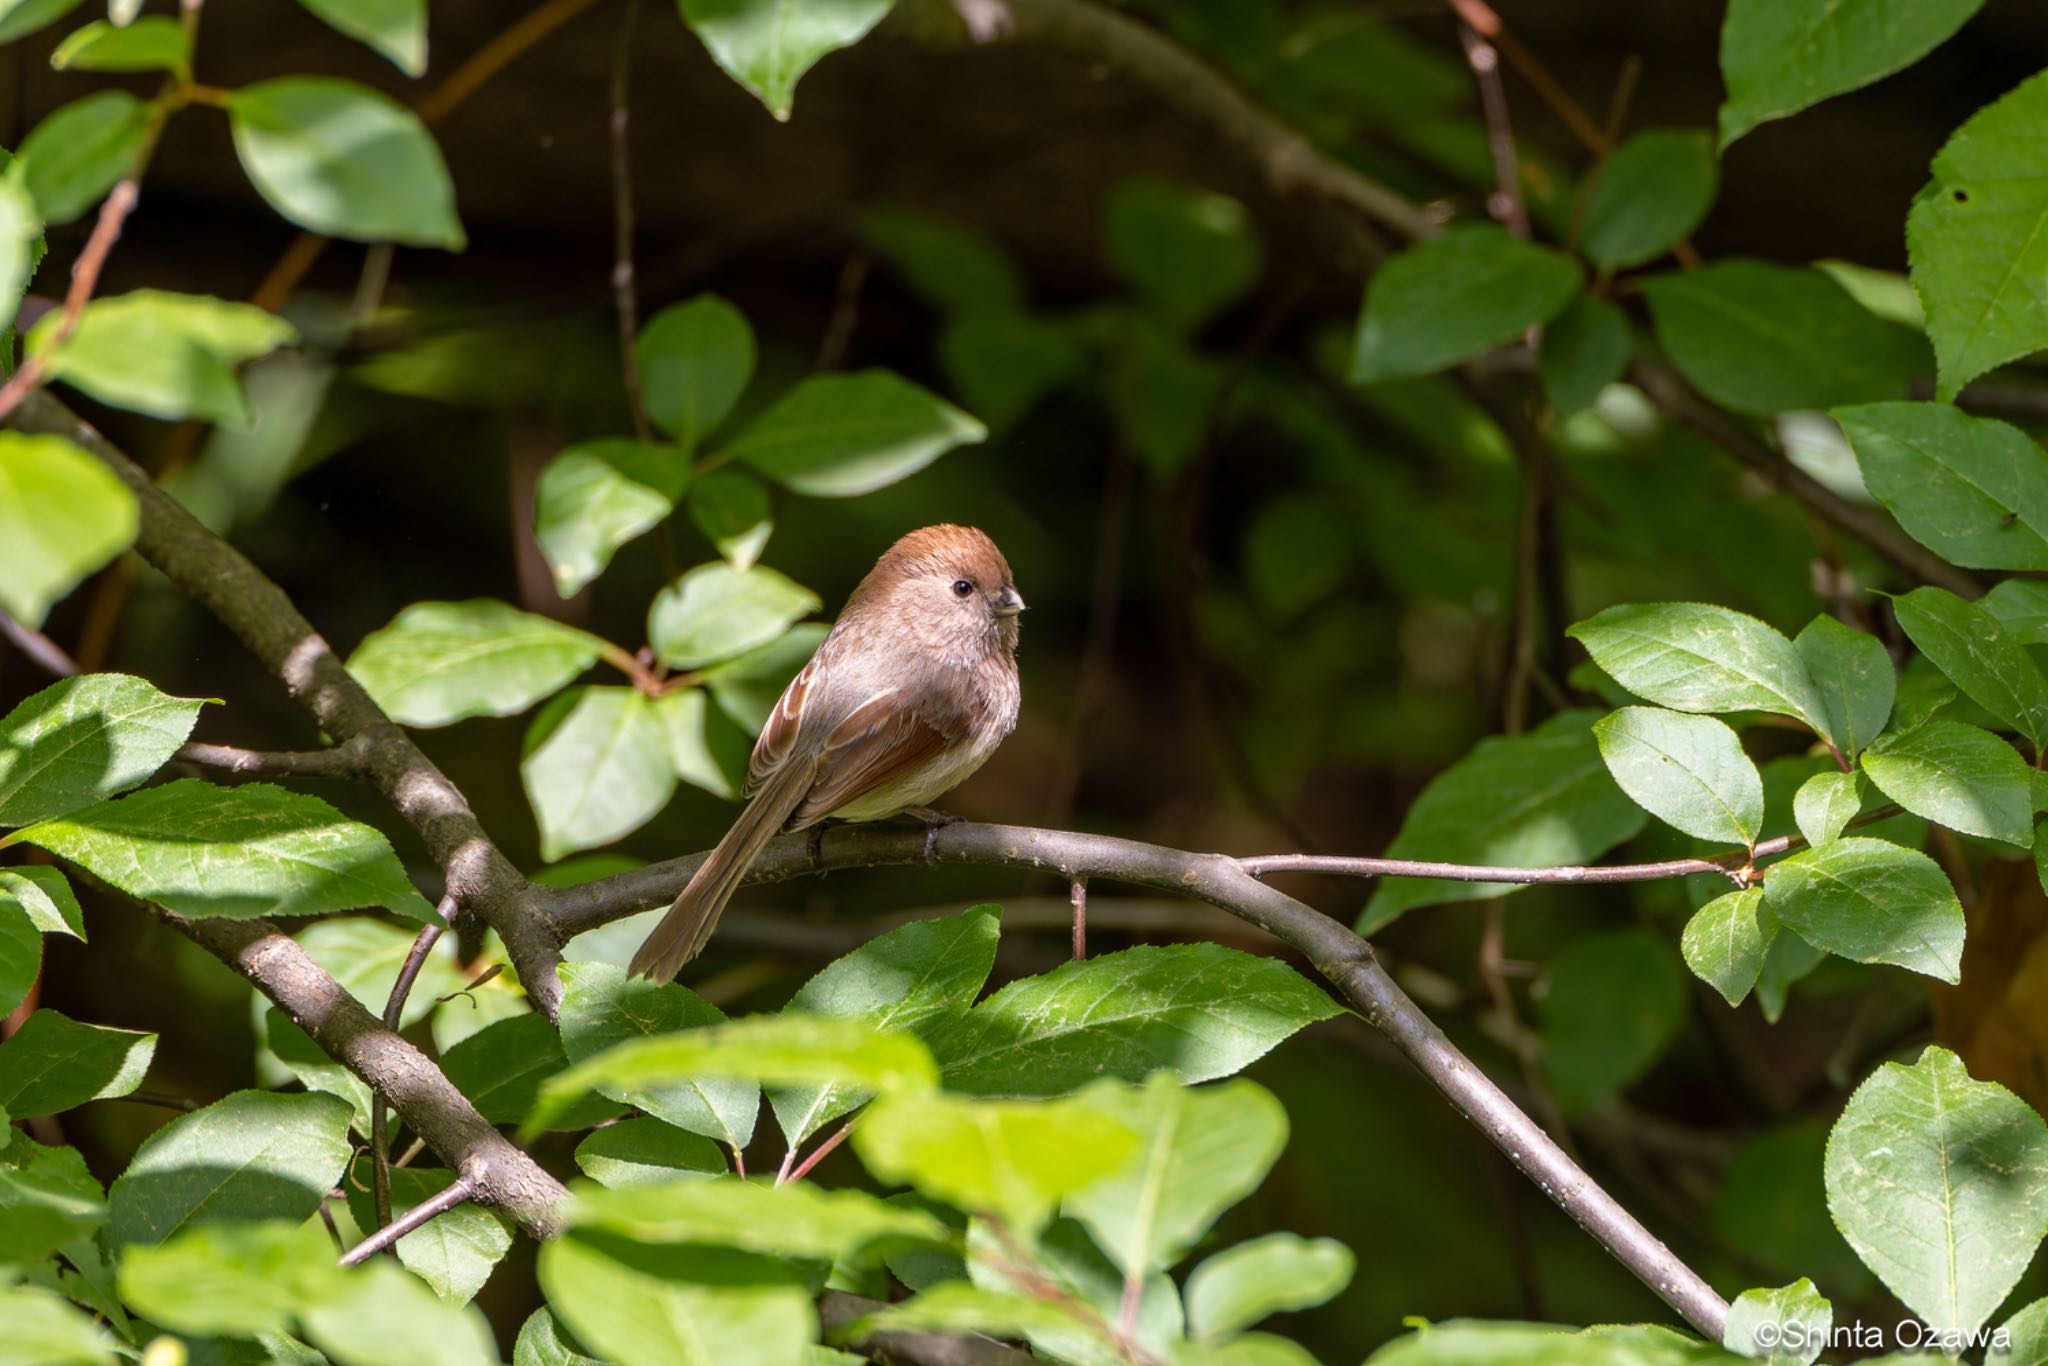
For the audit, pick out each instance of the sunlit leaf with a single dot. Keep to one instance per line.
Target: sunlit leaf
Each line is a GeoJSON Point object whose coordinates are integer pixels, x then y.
{"type": "Point", "coordinates": [251, 1156]}
{"type": "Point", "coordinates": [1871, 901]}
{"type": "Point", "coordinates": [62, 515]}
{"type": "Point", "coordinates": [167, 355]}
{"type": "Point", "coordinates": [439, 662]}
{"type": "Point", "coordinates": [714, 612]}
{"type": "Point", "coordinates": [1688, 771]}
{"type": "Point", "coordinates": [53, 1063]}
{"type": "Point", "coordinates": [83, 739]}
{"type": "Point", "coordinates": [836, 436]}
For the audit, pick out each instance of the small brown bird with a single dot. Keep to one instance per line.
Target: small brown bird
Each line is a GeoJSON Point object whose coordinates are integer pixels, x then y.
{"type": "Point", "coordinates": [910, 692]}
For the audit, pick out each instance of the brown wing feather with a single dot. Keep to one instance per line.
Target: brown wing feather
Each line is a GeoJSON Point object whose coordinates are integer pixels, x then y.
{"type": "Point", "coordinates": [880, 742]}
{"type": "Point", "coordinates": [778, 735]}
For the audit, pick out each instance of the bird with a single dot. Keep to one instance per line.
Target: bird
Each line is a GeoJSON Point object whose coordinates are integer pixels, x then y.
{"type": "Point", "coordinates": [910, 692]}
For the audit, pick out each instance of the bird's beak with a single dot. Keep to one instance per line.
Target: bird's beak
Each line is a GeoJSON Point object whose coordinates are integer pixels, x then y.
{"type": "Point", "coordinates": [1008, 603]}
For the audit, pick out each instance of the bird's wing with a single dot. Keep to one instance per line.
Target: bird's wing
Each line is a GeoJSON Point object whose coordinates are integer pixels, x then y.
{"type": "Point", "coordinates": [884, 739]}
{"type": "Point", "coordinates": [778, 734]}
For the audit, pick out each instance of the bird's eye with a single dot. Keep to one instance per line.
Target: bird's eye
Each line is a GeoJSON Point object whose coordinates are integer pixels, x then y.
{"type": "Point", "coordinates": [961, 587]}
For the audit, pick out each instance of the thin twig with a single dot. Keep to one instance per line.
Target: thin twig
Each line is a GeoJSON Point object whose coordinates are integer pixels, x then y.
{"type": "Point", "coordinates": [426, 1211]}
{"type": "Point", "coordinates": [85, 275]}
{"type": "Point", "coordinates": [163, 1100]}
{"type": "Point", "coordinates": [346, 760]}
{"type": "Point", "coordinates": [839, 325]}
{"type": "Point", "coordinates": [625, 302]}
{"type": "Point", "coordinates": [819, 1154]}
{"type": "Point", "coordinates": [45, 653]}
{"type": "Point", "coordinates": [1505, 203]}
{"type": "Point", "coordinates": [394, 1011]}
{"type": "Point", "coordinates": [1077, 896]}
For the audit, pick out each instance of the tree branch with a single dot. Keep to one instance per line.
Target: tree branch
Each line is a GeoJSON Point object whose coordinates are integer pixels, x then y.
{"type": "Point", "coordinates": [456, 1192]}
{"type": "Point", "coordinates": [221, 579]}
{"type": "Point", "coordinates": [346, 760]}
{"type": "Point", "coordinates": [45, 653]}
{"type": "Point", "coordinates": [1346, 960]}
{"type": "Point", "coordinates": [394, 1013]}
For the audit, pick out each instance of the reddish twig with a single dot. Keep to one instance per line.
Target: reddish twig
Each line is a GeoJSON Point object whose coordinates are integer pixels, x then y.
{"type": "Point", "coordinates": [1078, 898]}
{"type": "Point", "coordinates": [818, 1154]}
{"type": "Point", "coordinates": [42, 651]}
{"type": "Point", "coordinates": [426, 1211]}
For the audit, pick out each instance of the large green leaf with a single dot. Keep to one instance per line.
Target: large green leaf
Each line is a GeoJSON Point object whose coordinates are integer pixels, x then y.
{"type": "Point", "coordinates": [84, 739]}
{"type": "Point", "coordinates": [54, 1063]}
{"type": "Point", "coordinates": [1611, 1006]}
{"type": "Point", "coordinates": [254, 1155]}
{"type": "Point", "coordinates": [714, 612]}
{"type": "Point", "coordinates": [646, 1152]}
{"type": "Point", "coordinates": [164, 354]}
{"type": "Point", "coordinates": [1012, 1158]}
{"type": "Point", "coordinates": [1779, 56]}
{"type": "Point", "coordinates": [62, 515]}
{"type": "Point", "coordinates": [1959, 776]}
{"type": "Point", "coordinates": [705, 747]}
{"type": "Point", "coordinates": [601, 772]}
{"type": "Point", "coordinates": [1762, 338]}
{"type": "Point", "coordinates": [1473, 288]}
{"type": "Point", "coordinates": [439, 662]}
{"type": "Point", "coordinates": [836, 436]}
{"type": "Point", "coordinates": [21, 250]}
{"type": "Point", "coordinates": [767, 45]}
{"type": "Point", "coordinates": [379, 1315]}
{"type": "Point", "coordinates": [1200, 1011]}
{"type": "Point", "coordinates": [1515, 801]}
{"type": "Point", "coordinates": [1691, 656]}
{"type": "Point", "coordinates": [1871, 901]}
{"type": "Point", "coordinates": [1688, 771]}
{"type": "Point", "coordinates": [47, 1199]}
{"type": "Point", "coordinates": [1186, 251]}
{"type": "Point", "coordinates": [1235, 1288]}
{"type": "Point", "coordinates": [253, 850]}
{"type": "Point", "coordinates": [1200, 1151]}
{"type": "Point", "coordinates": [1977, 241]}
{"type": "Point", "coordinates": [688, 1305]}
{"type": "Point", "coordinates": [957, 1307]}
{"type": "Point", "coordinates": [544, 1342]}
{"type": "Point", "coordinates": [601, 1006]}
{"type": "Point", "coordinates": [1940, 1183]}
{"type": "Point", "coordinates": [695, 360]}
{"type": "Point", "coordinates": [596, 496]}
{"type": "Point", "coordinates": [1726, 940]}
{"type": "Point", "coordinates": [396, 28]}
{"type": "Point", "coordinates": [1972, 489]}
{"type": "Point", "coordinates": [1969, 644]}
{"type": "Point", "coordinates": [237, 1279]}
{"type": "Point", "coordinates": [456, 1251]}
{"type": "Point", "coordinates": [794, 1220]}
{"type": "Point", "coordinates": [338, 158]}
{"type": "Point", "coordinates": [73, 157]}
{"type": "Point", "coordinates": [2021, 606]}
{"type": "Point", "coordinates": [1853, 676]}
{"type": "Point", "coordinates": [1653, 191]}
{"type": "Point", "coordinates": [910, 979]}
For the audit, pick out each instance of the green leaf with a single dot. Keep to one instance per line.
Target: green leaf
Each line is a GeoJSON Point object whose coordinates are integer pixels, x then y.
{"type": "Point", "coordinates": [1515, 801]}
{"type": "Point", "coordinates": [44, 1330]}
{"type": "Point", "coordinates": [1186, 251]}
{"type": "Point", "coordinates": [676, 1306]}
{"type": "Point", "coordinates": [1975, 237]}
{"type": "Point", "coordinates": [1163, 391]}
{"type": "Point", "coordinates": [601, 1007]}
{"type": "Point", "coordinates": [1726, 940]}
{"type": "Point", "coordinates": [1688, 771]}
{"type": "Point", "coordinates": [1972, 489]}
{"type": "Point", "coordinates": [1825, 805]}
{"type": "Point", "coordinates": [1584, 349]}
{"type": "Point", "coordinates": [1200, 1151]}
{"type": "Point", "coordinates": [950, 266]}
{"type": "Point", "coordinates": [440, 662]}
{"type": "Point", "coordinates": [1853, 676]}
{"type": "Point", "coordinates": [594, 497]}
{"type": "Point", "coordinates": [167, 355]}
{"type": "Point", "coordinates": [1787, 1326]}
{"type": "Point", "coordinates": [62, 515]}
{"type": "Point", "coordinates": [695, 360]}
{"type": "Point", "coordinates": [2021, 607]}
{"type": "Point", "coordinates": [1015, 1159]}
{"type": "Point", "coordinates": [1653, 191]}
{"type": "Point", "coordinates": [340, 159]}
{"type": "Point", "coordinates": [714, 612]}
{"type": "Point", "coordinates": [601, 773]}
{"type": "Point", "coordinates": [315, 1068]}
{"type": "Point", "coordinates": [378, 1315]}
{"type": "Point", "coordinates": [21, 960]}
{"type": "Point", "coordinates": [911, 978]}
{"type": "Point", "coordinates": [636, 1153]}
{"type": "Point", "coordinates": [74, 156]}
{"type": "Point", "coordinates": [21, 251]}
{"type": "Point", "coordinates": [18, 18]}
{"type": "Point", "coordinates": [1781, 56]}
{"type": "Point", "coordinates": [1201, 1011]}
{"type": "Point", "coordinates": [1276, 1274]}
{"type": "Point", "coordinates": [253, 1155]}
{"type": "Point", "coordinates": [774, 1049]}
{"type": "Point", "coordinates": [957, 1307]}
{"type": "Point", "coordinates": [1084, 1280]}
{"type": "Point", "coordinates": [1002, 363]}
{"type": "Point", "coordinates": [705, 748]}
{"type": "Point", "coordinates": [748, 686]}
{"type": "Point", "coordinates": [1966, 642]}
{"type": "Point", "coordinates": [47, 1200]}
{"type": "Point", "coordinates": [1473, 288]}
{"type": "Point", "coordinates": [456, 1251]}
{"type": "Point", "coordinates": [366, 956]}
{"type": "Point", "coordinates": [54, 1063]}
{"type": "Point", "coordinates": [1690, 656]}
{"type": "Point", "coordinates": [1613, 1003]}
{"type": "Point", "coordinates": [396, 28]}
{"type": "Point", "coordinates": [837, 436]}
{"type": "Point", "coordinates": [84, 739]}
{"type": "Point", "coordinates": [1940, 1183]}
{"type": "Point", "coordinates": [767, 46]}
{"type": "Point", "coordinates": [1762, 338]}
{"type": "Point", "coordinates": [1873, 902]}
{"type": "Point", "coordinates": [235, 1279]}
{"type": "Point", "coordinates": [1297, 550]}
{"type": "Point", "coordinates": [45, 897]}
{"type": "Point", "coordinates": [155, 43]}
{"type": "Point", "coordinates": [2028, 1332]}
{"type": "Point", "coordinates": [543, 1342]}
{"type": "Point", "coordinates": [793, 1220]}
{"type": "Point", "coordinates": [731, 507]}
{"type": "Point", "coordinates": [501, 1068]}
{"type": "Point", "coordinates": [253, 850]}
{"type": "Point", "coordinates": [1959, 776]}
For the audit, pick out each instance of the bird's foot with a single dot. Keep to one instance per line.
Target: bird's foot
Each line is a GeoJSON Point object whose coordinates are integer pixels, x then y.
{"type": "Point", "coordinates": [933, 820]}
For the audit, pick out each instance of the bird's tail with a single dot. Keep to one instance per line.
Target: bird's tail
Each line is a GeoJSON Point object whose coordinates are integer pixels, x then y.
{"type": "Point", "coordinates": [682, 933]}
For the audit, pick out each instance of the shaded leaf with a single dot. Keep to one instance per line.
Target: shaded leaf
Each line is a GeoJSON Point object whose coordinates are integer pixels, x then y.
{"type": "Point", "coordinates": [1281, 1272]}
{"type": "Point", "coordinates": [84, 739]}
{"type": "Point", "coordinates": [1825, 805]}
{"type": "Point", "coordinates": [1471, 289]}
{"type": "Point", "coordinates": [793, 1220]}
{"type": "Point", "coordinates": [155, 43]}
{"type": "Point", "coordinates": [1613, 1003]}
{"type": "Point", "coordinates": [1853, 676]}
{"type": "Point", "coordinates": [1967, 643]}
{"type": "Point", "coordinates": [767, 47]}
{"type": "Point", "coordinates": [1971, 489]}
{"type": "Point", "coordinates": [396, 28]}
{"type": "Point", "coordinates": [253, 1155]}
{"type": "Point", "coordinates": [1186, 251]}
{"type": "Point", "coordinates": [53, 1063]}
{"type": "Point", "coordinates": [454, 1252]}
{"type": "Point", "coordinates": [636, 1153]}
{"type": "Point", "coordinates": [601, 1007]}
{"type": "Point", "coordinates": [601, 772]}
{"type": "Point", "coordinates": [1584, 350]}
{"type": "Point", "coordinates": [1653, 191]}
{"type": "Point", "coordinates": [731, 507]}
{"type": "Point", "coordinates": [75, 155]}
{"type": "Point", "coordinates": [695, 360]}
{"type": "Point", "coordinates": [676, 1306]}
{"type": "Point", "coordinates": [45, 897]}
{"type": "Point", "coordinates": [1787, 1326]}
{"type": "Point", "coordinates": [167, 355]}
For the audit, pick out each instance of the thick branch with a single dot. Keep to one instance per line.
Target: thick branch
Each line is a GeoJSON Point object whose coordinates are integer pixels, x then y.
{"type": "Point", "coordinates": [498, 1173]}
{"type": "Point", "coordinates": [1341, 956]}
{"type": "Point", "coordinates": [221, 579]}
